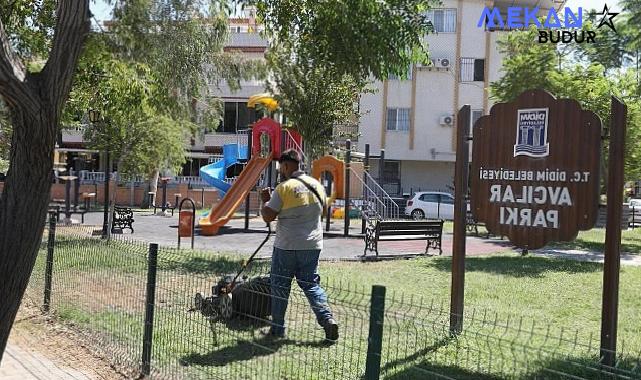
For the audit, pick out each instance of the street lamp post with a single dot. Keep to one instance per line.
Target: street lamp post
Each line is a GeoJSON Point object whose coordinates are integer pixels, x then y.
{"type": "Point", "coordinates": [94, 117]}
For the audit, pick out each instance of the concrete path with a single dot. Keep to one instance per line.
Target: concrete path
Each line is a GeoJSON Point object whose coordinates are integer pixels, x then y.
{"type": "Point", "coordinates": [233, 238]}
{"type": "Point", "coordinates": [19, 363]}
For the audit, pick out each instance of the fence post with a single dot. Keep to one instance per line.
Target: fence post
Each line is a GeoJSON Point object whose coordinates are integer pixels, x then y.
{"type": "Point", "coordinates": [247, 199]}
{"type": "Point", "coordinates": [150, 300]}
{"type": "Point", "coordinates": [49, 265]}
{"type": "Point", "coordinates": [348, 158]}
{"type": "Point", "coordinates": [375, 337]}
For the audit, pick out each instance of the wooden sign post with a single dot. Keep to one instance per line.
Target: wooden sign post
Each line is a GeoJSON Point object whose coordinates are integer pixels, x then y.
{"type": "Point", "coordinates": [535, 179]}
{"type": "Point", "coordinates": [460, 210]}
{"type": "Point", "coordinates": [612, 260]}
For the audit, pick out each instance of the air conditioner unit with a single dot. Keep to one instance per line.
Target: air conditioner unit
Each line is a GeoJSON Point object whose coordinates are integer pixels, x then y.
{"type": "Point", "coordinates": [442, 63]}
{"type": "Point", "coordinates": [447, 120]}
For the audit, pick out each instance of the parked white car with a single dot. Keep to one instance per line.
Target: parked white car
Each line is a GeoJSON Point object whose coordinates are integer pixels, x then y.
{"type": "Point", "coordinates": [431, 205]}
{"type": "Point", "coordinates": [636, 203]}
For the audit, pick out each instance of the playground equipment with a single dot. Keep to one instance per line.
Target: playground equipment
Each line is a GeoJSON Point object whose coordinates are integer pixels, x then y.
{"type": "Point", "coordinates": [278, 140]}
{"type": "Point", "coordinates": [214, 174]}
{"type": "Point", "coordinates": [349, 183]}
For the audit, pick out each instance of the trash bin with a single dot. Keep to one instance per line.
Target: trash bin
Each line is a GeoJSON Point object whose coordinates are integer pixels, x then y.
{"type": "Point", "coordinates": [185, 223]}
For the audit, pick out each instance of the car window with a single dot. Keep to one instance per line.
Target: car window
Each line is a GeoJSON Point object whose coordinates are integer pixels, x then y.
{"type": "Point", "coordinates": [447, 199]}
{"type": "Point", "coordinates": [429, 198]}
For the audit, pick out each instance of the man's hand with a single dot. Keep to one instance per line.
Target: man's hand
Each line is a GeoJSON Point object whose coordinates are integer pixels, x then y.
{"type": "Point", "coordinates": [265, 194]}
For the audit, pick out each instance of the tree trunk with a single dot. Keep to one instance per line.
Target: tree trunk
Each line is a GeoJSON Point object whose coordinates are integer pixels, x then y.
{"type": "Point", "coordinates": [22, 217]}
{"type": "Point", "coordinates": [35, 101]}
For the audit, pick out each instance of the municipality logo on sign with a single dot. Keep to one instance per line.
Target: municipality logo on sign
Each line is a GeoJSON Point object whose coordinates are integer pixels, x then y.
{"type": "Point", "coordinates": [531, 133]}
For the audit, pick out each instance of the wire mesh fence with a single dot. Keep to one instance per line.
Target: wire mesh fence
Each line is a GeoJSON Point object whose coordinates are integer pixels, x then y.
{"type": "Point", "coordinates": [139, 307]}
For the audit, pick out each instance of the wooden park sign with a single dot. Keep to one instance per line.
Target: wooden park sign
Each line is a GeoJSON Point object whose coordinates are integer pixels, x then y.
{"type": "Point", "coordinates": [535, 169]}
{"type": "Point", "coordinates": [535, 179]}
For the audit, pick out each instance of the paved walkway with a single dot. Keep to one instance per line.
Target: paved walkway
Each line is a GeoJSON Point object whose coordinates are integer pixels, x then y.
{"type": "Point", "coordinates": [22, 364]}
{"type": "Point", "coordinates": [233, 238]}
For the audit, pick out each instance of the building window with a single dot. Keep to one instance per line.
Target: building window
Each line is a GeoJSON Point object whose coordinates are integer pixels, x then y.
{"type": "Point", "coordinates": [443, 20]}
{"type": "Point", "coordinates": [237, 116]}
{"type": "Point", "coordinates": [398, 119]}
{"type": "Point", "coordinates": [472, 70]}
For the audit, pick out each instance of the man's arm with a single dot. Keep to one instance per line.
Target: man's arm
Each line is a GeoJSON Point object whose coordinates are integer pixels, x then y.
{"type": "Point", "coordinates": [268, 213]}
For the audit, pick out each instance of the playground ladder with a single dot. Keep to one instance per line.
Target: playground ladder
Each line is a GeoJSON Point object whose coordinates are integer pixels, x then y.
{"type": "Point", "coordinates": [377, 204]}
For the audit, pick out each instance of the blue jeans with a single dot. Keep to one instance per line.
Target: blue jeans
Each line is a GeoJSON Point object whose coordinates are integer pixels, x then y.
{"type": "Point", "coordinates": [303, 264]}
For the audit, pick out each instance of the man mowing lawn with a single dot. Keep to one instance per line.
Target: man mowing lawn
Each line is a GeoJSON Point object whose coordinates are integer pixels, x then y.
{"type": "Point", "coordinates": [298, 202]}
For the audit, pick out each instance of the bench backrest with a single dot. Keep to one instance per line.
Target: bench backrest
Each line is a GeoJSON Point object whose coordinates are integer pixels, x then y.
{"type": "Point", "coordinates": [409, 227]}
{"type": "Point", "coordinates": [123, 211]}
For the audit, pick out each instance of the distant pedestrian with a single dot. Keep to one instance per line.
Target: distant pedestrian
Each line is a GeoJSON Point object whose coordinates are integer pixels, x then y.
{"type": "Point", "coordinates": [298, 202]}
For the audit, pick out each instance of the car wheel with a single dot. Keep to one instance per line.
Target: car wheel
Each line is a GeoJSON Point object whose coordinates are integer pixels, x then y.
{"type": "Point", "coordinates": [418, 214]}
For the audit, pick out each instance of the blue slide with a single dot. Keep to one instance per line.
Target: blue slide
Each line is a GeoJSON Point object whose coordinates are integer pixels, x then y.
{"type": "Point", "coordinates": [214, 173]}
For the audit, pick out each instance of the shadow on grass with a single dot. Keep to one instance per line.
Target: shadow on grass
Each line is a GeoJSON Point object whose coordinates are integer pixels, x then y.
{"type": "Point", "coordinates": [517, 266]}
{"type": "Point", "coordinates": [584, 368]}
{"type": "Point", "coordinates": [418, 354]}
{"type": "Point", "coordinates": [220, 265]}
{"type": "Point", "coordinates": [244, 350]}
{"type": "Point", "coordinates": [426, 370]}
{"type": "Point", "coordinates": [628, 245]}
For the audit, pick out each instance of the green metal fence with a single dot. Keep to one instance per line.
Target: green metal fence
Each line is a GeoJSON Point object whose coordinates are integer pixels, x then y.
{"type": "Point", "coordinates": [134, 303]}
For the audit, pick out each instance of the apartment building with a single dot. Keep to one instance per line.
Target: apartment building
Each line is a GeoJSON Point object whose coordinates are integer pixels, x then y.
{"type": "Point", "coordinates": [414, 120]}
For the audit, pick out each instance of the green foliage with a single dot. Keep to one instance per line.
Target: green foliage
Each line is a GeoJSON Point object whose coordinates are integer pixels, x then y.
{"type": "Point", "coordinates": [610, 48]}
{"type": "Point", "coordinates": [359, 37]}
{"type": "Point", "coordinates": [528, 65]}
{"type": "Point", "coordinates": [136, 127]}
{"type": "Point", "coordinates": [314, 98]}
{"type": "Point", "coordinates": [633, 10]}
{"type": "Point", "coordinates": [29, 25]}
{"type": "Point", "coordinates": [182, 42]}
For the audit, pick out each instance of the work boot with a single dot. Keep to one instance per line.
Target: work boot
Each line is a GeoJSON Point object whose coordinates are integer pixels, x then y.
{"type": "Point", "coordinates": [331, 330]}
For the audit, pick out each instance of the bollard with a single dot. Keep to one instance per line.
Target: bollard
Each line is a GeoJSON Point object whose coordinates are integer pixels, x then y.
{"type": "Point", "coordinates": [49, 265]}
{"type": "Point", "coordinates": [150, 300]}
{"type": "Point", "coordinates": [375, 337]}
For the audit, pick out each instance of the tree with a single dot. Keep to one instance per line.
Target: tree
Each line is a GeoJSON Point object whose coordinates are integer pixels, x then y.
{"type": "Point", "coordinates": [314, 99]}
{"type": "Point", "coordinates": [138, 129]}
{"type": "Point", "coordinates": [610, 48]}
{"type": "Point", "coordinates": [34, 100]}
{"type": "Point", "coordinates": [526, 64]}
{"type": "Point", "coordinates": [359, 37]}
{"type": "Point", "coordinates": [153, 33]}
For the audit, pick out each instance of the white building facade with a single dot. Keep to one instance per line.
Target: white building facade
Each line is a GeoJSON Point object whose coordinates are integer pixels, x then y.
{"type": "Point", "coordinates": [414, 120]}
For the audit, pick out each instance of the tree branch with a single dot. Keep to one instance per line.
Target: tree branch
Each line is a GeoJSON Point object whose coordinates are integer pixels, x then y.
{"type": "Point", "coordinates": [72, 26]}
{"type": "Point", "coordinates": [12, 73]}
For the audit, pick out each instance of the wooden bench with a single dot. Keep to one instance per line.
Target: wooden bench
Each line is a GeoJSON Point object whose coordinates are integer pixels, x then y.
{"type": "Point", "coordinates": [400, 230]}
{"type": "Point", "coordinates": [123, 217]}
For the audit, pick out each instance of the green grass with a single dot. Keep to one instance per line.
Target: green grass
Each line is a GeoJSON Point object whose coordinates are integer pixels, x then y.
{"type": "Point", "coordinates": [96, 288]}
{"type": "Point", "coordinates": [591, 240]}
{"type": "Point", "coordinates": [594, 240]}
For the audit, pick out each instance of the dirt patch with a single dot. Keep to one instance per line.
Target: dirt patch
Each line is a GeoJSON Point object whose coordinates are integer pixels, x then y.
{"type": "Point", "coordinates": [35, 332]}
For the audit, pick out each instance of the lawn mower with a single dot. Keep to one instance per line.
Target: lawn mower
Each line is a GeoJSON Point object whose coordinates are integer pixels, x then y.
{"type": "Point", "coordinates": [235, 296]}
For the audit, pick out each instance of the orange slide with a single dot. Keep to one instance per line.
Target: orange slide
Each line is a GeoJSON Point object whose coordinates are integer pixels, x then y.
{"type": "Point", "coordinates": [236, 195]}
